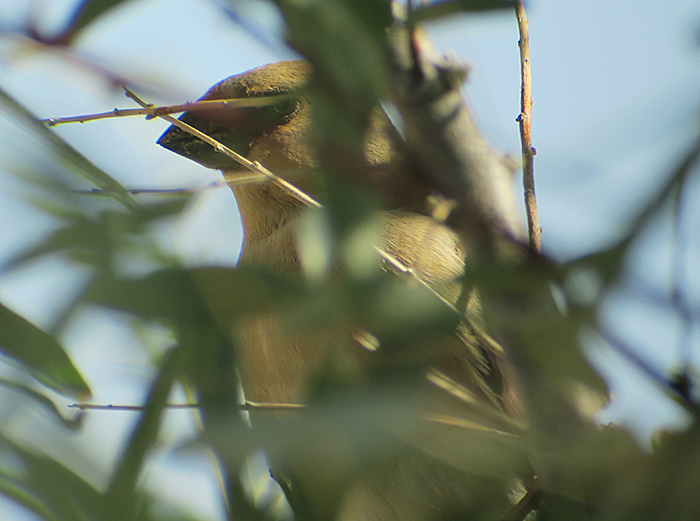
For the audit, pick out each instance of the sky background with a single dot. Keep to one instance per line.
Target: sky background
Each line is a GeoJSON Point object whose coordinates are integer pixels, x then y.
{"type": "Point", "coordinates": [616, 88]}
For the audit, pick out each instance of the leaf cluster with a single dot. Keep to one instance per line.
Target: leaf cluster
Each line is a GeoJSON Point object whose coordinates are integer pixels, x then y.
{"type": "Point", "coordinates": [356, 419]}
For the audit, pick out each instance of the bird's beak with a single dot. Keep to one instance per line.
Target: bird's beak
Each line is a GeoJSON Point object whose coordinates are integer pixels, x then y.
{"type": "Point", "coordinates": [231, 127]}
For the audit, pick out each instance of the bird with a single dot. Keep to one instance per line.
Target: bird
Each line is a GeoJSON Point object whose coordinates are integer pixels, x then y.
{"type": "Point", "coordinates": [277, 366]}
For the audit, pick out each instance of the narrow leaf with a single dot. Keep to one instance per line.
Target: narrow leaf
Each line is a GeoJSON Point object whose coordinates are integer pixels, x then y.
{"type": "Point", "coordinates": [41, 354]}
{"type": "Point", "coordinates": [86, 13]}
{"type": "Point", "coordinates": [46, 402]}
{"type": "Point", "coordinates": [70, 156]}
{"type": "Point", "coordinates": [122, 489]}
{"type": "Point", "coordinates": [445, 8]}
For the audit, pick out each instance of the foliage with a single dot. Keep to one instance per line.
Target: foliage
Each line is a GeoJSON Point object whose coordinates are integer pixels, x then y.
{"type": "Point", "coordinates": [587, 472]}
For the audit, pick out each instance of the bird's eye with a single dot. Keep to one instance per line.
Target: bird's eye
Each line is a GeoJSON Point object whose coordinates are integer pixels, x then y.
{"type": "Point", "coordinates": [286, 107]}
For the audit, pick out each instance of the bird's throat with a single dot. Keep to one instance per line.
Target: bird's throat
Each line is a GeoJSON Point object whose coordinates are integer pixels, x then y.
{"type": "Point", "coordinates": [264, 208]}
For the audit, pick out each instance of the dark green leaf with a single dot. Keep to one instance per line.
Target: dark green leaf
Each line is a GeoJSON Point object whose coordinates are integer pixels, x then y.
{"type": "Point", "coordinates": [25, 498]}
{"type": "Point", "coordinates": [41, 483]}
{"type": "Point", "coordinates": [86, 13]}
{"type": "Point", "coordinates": [447, 8]}
{"type": "Point", "coordinates": [230, 293]}
{"type": "Point", "coordinates": [41, 354]}
{"type": "Point", "coordinates": [121, 494]}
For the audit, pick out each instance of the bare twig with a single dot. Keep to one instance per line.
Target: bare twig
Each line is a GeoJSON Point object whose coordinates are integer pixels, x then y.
{"type": "Point", "coordinates": [153, 112]}
{"type": "Point", "coordinates": [248, 406]}
{"type": "Point", "coordinates": [277, 407]}
{"type": "Point", "coordinates": [155, 191]}
{"type": "Point", "coordinates": [239, 179]}
{"type": "Point", "coordinates": [524, 120]}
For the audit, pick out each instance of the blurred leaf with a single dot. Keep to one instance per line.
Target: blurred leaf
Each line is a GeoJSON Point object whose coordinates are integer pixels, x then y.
{"type": "Point", "coordinates": [357, 48]}
{"type": "Point", "coordinates": [95, 240]}
{"type": "Point", "coordinates": [231, 293]}
{"type": "Point", "coordinates": [81, 237]}
{"type": "Point", "coordinates": [324, 445]}
{"type": "Point", "coordinates": [26, 499]}
{"type": "Point", "coordinates": [446, 8]}
{"type": "Point", "coordinates": [121, 494]}
{"type": "Point", "coordinates": [46, 402]}
{"type": "Point", "coordinates": [472, 447]}
{"type": "Point", "coordinates": [168, 294]}
{"type": "Point", "coordinates": [174, 296]}
{"type": "Point", "coordinates": [185, 296]}
{"type": "Point", "coordinates": [344, 42]}
{"type": "Point", "coordinates": [607, 263]}
{"type": "Point", "coordinates": [71, 157]}
{"type": "Point", "coordinates": [41, 354]}
{"type": "Point", "coordinates": [41, 483]}
{"type": "Point", "coordinates": [86, 13]}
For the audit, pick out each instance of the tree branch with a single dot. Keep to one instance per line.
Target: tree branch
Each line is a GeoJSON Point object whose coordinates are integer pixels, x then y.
{"type": "Point", "coordinates": [524, 121]}
{"type": "Point", "coordinates": [152, 112]}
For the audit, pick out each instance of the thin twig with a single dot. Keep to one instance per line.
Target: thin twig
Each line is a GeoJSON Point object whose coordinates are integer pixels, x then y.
{"type": "Point", "coordinates": [277, 407]}
{"type": "Point", "coordinates": [231, 180]}
{"type": "Point", "coordinates": [153, 112]}
{"type": "Point", "coordinates": [156, 191]}
{"type": "Point", "coordinates": [248, 406]}
{"type": "Point", "coordinates": [524, 120]}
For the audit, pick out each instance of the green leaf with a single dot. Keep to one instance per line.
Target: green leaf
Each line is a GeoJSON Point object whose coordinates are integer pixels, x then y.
{"type": "Point", "coordinates": [42, 484]}
{"type": "Point", "coordinates": [350, 60]}
{"type": "Point", "coordinates": [41, 354]}
{"type": "Point", "coordinates": [232, 292]}
{"type": "Point", "coordinates": [86, 13]}
{"type": "Point", "coordinates": [46, 402]}
{"type": "Point", "coordinates": [25, 498]}
{"type": "Point", "coordinates": [121, 494]}
{"type": "Point", "coordinates": [445, 8]}
{"type": "Point", "coordinates": [70, 156]}
{"type": "Point", "coordinates": [95, 240]}
{"type": "Point", "coordinates": [81, 235]}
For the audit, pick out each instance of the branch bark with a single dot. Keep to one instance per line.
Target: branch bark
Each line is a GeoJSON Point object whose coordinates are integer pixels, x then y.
{"type": "Point", "coordinates": [524, 121]}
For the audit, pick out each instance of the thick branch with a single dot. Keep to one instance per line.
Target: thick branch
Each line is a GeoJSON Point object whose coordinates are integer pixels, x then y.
{"type": "Point", "coordinates": [452, 155]}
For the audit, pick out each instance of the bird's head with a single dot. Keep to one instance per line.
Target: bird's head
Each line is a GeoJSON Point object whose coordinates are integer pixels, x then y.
{"type": "Point", "coordinates": [273, 134]}
{"type": "Point", "coordinates": [280, 136]}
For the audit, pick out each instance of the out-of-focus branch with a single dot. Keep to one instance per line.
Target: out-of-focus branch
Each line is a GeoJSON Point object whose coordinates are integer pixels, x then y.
{"type": "Point", "coordinates": [524, 120]}
{"type": "Point", "coordinates": [452, 156]}
{"type": "Point", "coordinates": [678, 300]}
